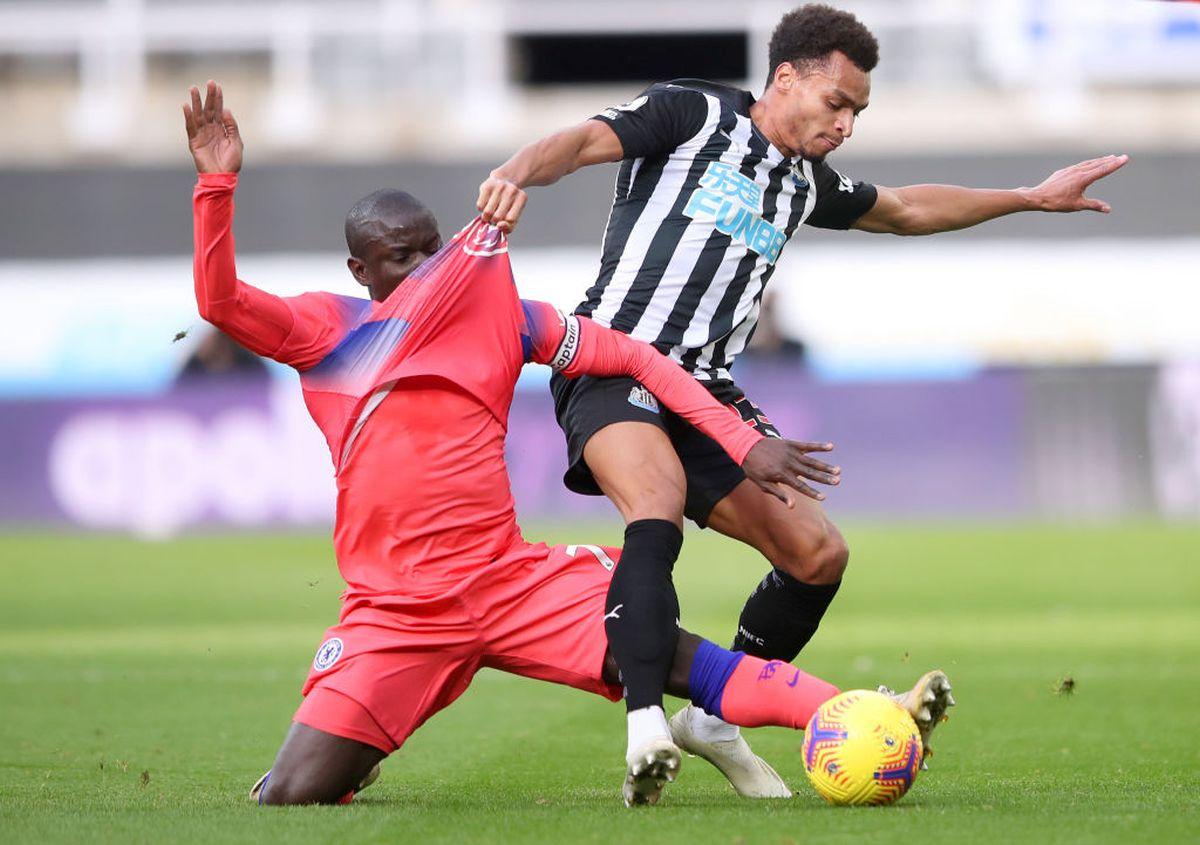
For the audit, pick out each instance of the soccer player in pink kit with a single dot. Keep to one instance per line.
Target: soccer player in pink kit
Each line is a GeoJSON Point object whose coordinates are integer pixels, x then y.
{"type": "Point", "coordinates": [411, 390]}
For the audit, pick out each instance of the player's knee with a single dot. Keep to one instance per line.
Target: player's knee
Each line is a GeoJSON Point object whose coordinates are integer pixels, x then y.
{"type": "Point", "coordinates": [662, 502]}
{"type": "Point", "coordinates": [815, 556]}
{"type": "Point", "coordinates": [609, 672]}
{"type": "Point", "coordinates": [283, 791]}
{"type": "Point", "coordinates": [835, 557]}
{"type": "Point", "coordinates": [655, 490]}
{"type": "Point", "coordinates": [297, 787]}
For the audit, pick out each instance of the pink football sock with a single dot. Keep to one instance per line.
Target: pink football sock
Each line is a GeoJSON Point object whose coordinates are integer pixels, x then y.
{"type": "Point", "coordinates": [761, 692]}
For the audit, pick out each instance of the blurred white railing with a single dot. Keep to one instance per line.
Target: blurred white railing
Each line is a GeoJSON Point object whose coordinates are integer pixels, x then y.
{"type": "Point", "coordinates": [459, 50]}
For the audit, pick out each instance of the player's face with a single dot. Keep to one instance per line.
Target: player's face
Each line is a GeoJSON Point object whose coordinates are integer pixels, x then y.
{"type": "Point", "coordinates": [394, 249]}
{"type": "Point", "coordinates": [818, 106]}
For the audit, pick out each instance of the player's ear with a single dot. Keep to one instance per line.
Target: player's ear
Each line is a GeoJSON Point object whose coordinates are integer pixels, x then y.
{"type": "Point", "coordinates": [358, 270]}
{"type": "Point", "coordinates": [785, 75]}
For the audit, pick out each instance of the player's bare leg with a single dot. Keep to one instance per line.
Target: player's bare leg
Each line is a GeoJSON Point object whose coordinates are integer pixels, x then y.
{"type": "Point", "coordinates": [315, 767]}
{"type": "Point", "coordinates": [256, 790]}
{"type": "Point", "coordinates": [927, 703]}
{"type": "Point", "coordinates": [637, 468]}
{"type": "Point", "coordinates": [808, 556]}
{"type": "Point", "coordinates": [801, 543]}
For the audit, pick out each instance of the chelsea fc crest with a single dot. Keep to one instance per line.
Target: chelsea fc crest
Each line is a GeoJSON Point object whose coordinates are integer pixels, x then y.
{"type": "Point", "coordinates": [327, 654]}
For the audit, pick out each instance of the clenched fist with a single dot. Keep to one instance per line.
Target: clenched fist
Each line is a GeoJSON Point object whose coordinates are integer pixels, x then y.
{"type": "Point", "coordinates": [500, 202]}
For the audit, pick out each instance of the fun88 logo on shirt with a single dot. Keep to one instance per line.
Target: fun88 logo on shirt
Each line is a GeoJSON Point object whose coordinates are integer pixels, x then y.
{"type": "Point", "coordinates": [731, 202]}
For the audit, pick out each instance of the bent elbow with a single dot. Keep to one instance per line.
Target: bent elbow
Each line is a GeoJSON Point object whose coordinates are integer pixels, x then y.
{"type": "Point", "coordinates": [217, 313]}
{"type": "Point", "coordinates": [205, 310]}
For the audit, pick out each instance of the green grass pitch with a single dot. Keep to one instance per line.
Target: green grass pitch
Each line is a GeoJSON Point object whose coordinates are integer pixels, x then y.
{"type": "Point", "coordinates": [143, 688]}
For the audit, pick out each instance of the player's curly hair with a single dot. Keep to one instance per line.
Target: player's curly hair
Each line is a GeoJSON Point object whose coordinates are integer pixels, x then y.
{"type": "Point", "coordinates": [810, 33]}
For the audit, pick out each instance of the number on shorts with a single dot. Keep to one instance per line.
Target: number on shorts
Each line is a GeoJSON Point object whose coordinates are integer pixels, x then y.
{"type": "Point", "coordinates": [601, 555]}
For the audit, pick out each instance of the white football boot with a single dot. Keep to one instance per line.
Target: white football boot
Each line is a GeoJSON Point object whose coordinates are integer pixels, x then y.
{"type": "Point", "coordinates": [927, 703]}
{"type": "Point", "coordinates": [653, 765]}
{"type": "Point", "coordinates": [256, 790]}
{"type": "Point", "coordinates": [749, 774]}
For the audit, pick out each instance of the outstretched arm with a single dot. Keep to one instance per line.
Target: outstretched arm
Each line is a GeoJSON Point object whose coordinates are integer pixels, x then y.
{"type": "Point", "coordinates": [576, 346]}
{"type": "Point", "coordinates": [502, 195]}
{"type": "Point", "coordinates": [928, 209]}
{"type": "Point", "coordinates": [262, 322]}
{"type": "Point", "coordinates": [254, 318]}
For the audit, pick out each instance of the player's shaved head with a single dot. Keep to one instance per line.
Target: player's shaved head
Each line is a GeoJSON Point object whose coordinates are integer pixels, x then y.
{"type": "Point", "coordinates": [389, 234]}
{"type": "Point", "coordinates": [380, 212]}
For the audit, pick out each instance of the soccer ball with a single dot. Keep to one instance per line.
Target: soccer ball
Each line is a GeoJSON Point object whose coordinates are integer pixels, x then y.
{"type": "Point", "coordinates": [861, 747]}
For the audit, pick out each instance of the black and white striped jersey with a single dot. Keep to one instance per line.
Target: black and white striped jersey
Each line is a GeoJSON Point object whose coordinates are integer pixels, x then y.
{"type": "Point", "coordinates": [702, 209]}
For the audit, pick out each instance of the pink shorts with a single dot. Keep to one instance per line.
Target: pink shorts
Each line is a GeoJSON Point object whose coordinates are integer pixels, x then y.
{"type": "Point", "coordinates": [385, 668]}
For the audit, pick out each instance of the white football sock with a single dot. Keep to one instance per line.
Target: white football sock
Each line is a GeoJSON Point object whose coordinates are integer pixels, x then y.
{"type": "Point", "coordinates": [712, 728]}
{"type": "Point", "coordinates": [645, 724]}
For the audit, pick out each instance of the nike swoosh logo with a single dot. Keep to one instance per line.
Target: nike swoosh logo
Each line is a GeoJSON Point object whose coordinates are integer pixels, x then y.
{"type": "Point", "coordinates": [613, 614]}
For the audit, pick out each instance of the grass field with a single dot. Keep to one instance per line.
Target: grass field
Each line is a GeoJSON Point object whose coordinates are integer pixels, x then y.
{"type": "Point", "coordinates": [143, 688]}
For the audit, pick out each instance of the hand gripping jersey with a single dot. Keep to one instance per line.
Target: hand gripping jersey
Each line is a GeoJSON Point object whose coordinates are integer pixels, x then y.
{"type": "Point", "coordinates": [412, 395]}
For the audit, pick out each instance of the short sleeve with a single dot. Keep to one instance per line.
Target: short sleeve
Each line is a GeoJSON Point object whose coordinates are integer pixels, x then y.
{"type": "Point", "coordinates": [661, 119]}
{"type": "Point", "coordinates": [840, 201]}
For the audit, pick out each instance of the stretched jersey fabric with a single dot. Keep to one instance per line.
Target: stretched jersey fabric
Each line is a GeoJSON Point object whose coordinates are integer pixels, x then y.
{"type": "Point", "coordinates": [703, 206]}
{"type": "Point", "coordinates": [412, 394]}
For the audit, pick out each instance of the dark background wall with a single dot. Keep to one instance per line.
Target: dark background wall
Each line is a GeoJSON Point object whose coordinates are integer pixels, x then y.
{"type": "Point", "coordinates": [96, 211]}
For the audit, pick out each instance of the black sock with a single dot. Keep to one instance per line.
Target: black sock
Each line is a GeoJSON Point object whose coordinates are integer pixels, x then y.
{"type": "Point", "coordinates": [781, 616]}
{"type": "Point", "coordinates": [642, 610]}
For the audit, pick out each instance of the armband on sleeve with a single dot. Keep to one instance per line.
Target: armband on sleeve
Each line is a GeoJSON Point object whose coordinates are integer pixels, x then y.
{"type": "Point", "coordinates": [568, 347]}
{"type": "Point", "coordinates": [603, 352]}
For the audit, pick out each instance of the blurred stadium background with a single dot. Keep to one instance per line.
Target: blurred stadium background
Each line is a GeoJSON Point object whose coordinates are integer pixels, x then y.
{"type": "Point", "coordinates": [1036, 366]}
{"type": "Point", "coordinates": [1017, 409]}
{"type": "Point", "coordinates": [1033, 366]}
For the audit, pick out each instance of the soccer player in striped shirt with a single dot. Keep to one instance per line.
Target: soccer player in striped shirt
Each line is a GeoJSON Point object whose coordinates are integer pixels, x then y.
{"type": "Point", "coordinates": [411, 389]}
{"type": "Point", "coordinates": [712, 185]}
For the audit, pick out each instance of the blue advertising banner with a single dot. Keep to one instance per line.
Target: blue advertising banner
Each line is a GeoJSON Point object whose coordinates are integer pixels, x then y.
{"type": "Point", "coordinates": [245, 454]}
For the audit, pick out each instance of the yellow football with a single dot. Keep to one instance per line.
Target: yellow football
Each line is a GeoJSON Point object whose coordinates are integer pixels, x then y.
{"type": "Point", "coordinates": [861, 747]}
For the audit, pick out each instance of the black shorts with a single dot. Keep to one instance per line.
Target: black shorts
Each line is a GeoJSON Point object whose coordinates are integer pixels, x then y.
{"type": "Point", "coordinates": [585, 405]}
